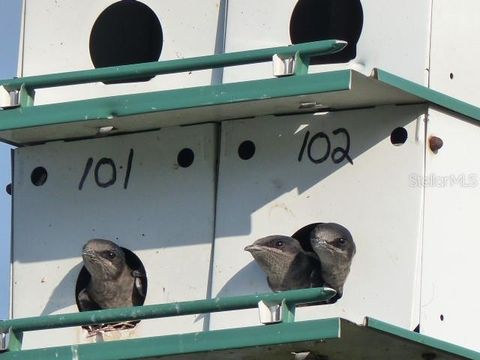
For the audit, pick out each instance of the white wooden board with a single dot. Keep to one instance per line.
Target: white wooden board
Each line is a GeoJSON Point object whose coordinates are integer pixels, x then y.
{"type": "Point", "coordinates": [164, 215]}
{"type": "Point", "coordinates": [455, 49]}
{"type": "Point", "coordinates": [395, 36]}
{"type": "Point", "coordinates": [57, 34]}
{"type": "Point", "coordinates": [450, 295]}
{"type": "Point", "coordinates": [275, 193]}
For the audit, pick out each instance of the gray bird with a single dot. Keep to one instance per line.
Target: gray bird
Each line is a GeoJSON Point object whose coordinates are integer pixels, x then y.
{"type": "Point", "coordinates": [285, 263]}
{"type": "Point", "coordinates": [335, 248]}
{"type": "Point", "coordinates": [112, 282]}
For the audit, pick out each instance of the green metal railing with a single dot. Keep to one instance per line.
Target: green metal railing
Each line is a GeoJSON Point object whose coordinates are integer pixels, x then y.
{"type": "Point", "coordinates": [288, 299]}
{"type": "Point", "coordinates": [301, 53]}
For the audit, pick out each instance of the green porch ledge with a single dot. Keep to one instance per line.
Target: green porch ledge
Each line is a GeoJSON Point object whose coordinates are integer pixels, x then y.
{"type": "Point", "coordinates": [332, 338]}
{"type": "Point", "coordinates": [301, 92]}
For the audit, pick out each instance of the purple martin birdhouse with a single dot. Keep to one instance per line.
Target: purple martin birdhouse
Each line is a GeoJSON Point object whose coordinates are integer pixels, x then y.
{"type": "Point", "coordinates": [177, 166]}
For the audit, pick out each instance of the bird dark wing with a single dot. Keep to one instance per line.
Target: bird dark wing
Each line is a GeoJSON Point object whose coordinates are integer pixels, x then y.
{"type": "Point", "coordinates": [85, 303]}
{"type": "Point", "coordinates": [140, 283]}
{"type": "Point", "coordinates": [316, 279]}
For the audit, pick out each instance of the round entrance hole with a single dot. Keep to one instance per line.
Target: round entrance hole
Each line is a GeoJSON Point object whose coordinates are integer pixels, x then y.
{"type": "Point", "coordinates": [126, 32]}
{"type": "Point", "coordinates": [314, 20]}
{"type": "Point", "coordinates": [83, 279]}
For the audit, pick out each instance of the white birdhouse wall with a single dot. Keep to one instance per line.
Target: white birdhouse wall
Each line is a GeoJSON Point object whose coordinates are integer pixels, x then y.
{"type": "Point", "coordinates": [61, 36]}
{"type": "Point", "coordinates": [162, 195]}
{"type": "Point", "coordinates": [455, 49]}
{"type": "Point", "coordinates": [69, 35]}
{"type": "Point", "coordinates": [268, 183]}
{"type": "Point", "coordinates": [390, 35]}
{"type": "Point", "coordinates": [152, 193]}
{"type": "Point", "coordinates": [286, 185]}
{"type": "Point", "coordinates": [450, 305]}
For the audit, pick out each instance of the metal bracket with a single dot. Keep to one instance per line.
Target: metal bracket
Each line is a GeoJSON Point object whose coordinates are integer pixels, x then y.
{"type": "Point", "coordinates": [270, 313]}
{"type": "Point", "coordinates": [283, 65]}
{"type": "Point", "coordinates": [4, 341]}
{"type": "Point", "coordinates": [9, 99]}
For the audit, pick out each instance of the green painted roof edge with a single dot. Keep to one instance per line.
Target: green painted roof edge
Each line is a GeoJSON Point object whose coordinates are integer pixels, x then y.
{"type": "Point", "coordinates": [428, 94]}
{"type": "Point", "coordinates": [422, 339]}
{"type": "Point", "coordinates": [134, 104]}
{"type": "Point", "coordinates": [189, 343]}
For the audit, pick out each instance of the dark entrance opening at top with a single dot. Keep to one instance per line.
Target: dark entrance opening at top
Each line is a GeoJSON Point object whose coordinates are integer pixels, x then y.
{"type": "Point", "coordinates": [126, 32]}
{"type": "Point", "coordinates": [314, 20]}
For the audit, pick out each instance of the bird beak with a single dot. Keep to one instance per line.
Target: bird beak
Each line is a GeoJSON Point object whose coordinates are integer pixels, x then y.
{"type": "Point", "coordinates": [251, 248]}
{"type": "Point", "coordinates": [88, 252]}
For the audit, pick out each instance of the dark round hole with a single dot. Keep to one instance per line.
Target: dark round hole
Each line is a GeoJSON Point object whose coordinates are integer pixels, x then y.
{"type": "Point", "coordinates": [185, 157]}
{"type": "Point", "coordinates": [39, 176]}
{"type": "Point", "coordinates": [303, 236]}
{"type": "Point", "coordinates": [126, 32]}
{"type": "Point", "coordinates": [451, 76]}
{"type": "Point", "coordinates": [314, 20]}
{"type": "Point", "coordinates": [246, 150]}
{"type": "Point", "coordinates": [441, 317]}
{"type": "Point", "coordinates": [83, 279]}
{"type": "Point", "coordinates": [399, 136]}
{"type": "Point", "coordinates": [8, 189]}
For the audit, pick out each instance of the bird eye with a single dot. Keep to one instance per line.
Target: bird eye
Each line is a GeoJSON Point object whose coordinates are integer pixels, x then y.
{"type": "Point", "coordinates": [279, 243]}
{"type": "Point", "coordinates": [111, 255]}
{"type": "Point", "coordinates": [341, 241]}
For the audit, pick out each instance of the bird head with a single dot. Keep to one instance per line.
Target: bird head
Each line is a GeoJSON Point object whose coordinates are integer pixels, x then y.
{"type": "Point", "coordinates": [103, 258]}
{"type": "Point", "coordinates": [332, 243]}
{"type": "Point", "coordinates": [274, 253]}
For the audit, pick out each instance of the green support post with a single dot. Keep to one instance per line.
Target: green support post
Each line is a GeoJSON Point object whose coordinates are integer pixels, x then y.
{"type": "Point", "coordinates": [288, 312]}
{"type": "Point", "coordinates": [302, 62]}
{"type": "Point", "coordinates": [26, 96]}
{"type": "Point", "coordinates": [15, 340]}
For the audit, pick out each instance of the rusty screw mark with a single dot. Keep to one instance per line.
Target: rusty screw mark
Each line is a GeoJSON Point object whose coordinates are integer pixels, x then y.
{"type": "Point", "coordinates": [435, 143]}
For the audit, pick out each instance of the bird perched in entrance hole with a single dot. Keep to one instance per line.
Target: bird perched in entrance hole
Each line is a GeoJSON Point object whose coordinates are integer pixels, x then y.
{"type": "Point", "coordinates": [285, 263]}
{"type": "Point", "coordinates": [289, 264]}
{"type": "Point", "coordinates": [335, 249]}
{"type": "Point", "coordinates": [112, 282]}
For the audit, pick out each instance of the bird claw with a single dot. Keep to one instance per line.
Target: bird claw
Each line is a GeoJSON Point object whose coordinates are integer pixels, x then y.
{"type": "Point", "coordinates": [104, 328]}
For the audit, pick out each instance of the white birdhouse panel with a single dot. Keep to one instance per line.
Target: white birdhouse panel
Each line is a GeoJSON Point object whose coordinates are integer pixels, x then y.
{"type": "Point", "coordinates": [69, 35]}
{"type": "Point", "coordinates": [151, 193]}
{"type": "Point", "coordinates": [450, 306]}
{"type": "Point", "coordinates": [455, 49]}
{"type": "Point", "coordinates": [278, 174]}
{"type": "Point", "coordinates": [393, 36]}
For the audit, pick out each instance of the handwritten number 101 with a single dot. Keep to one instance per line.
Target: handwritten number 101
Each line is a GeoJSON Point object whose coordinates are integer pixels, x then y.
{"type": "Point", "coordinates": [106, 163]}
{"type": "Point", "coordinates": [338, 154]}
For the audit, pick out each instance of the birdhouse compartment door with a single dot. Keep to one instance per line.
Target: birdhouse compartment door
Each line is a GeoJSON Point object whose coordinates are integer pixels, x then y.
{"type": "Point", "coordinates": [390, 35]}
{"type": "Point", "coordinates": [152, 193]}
{"type": "Point", "coordinates": [280, 173]}
{"type": "Point", "coordinates": [69, 35]}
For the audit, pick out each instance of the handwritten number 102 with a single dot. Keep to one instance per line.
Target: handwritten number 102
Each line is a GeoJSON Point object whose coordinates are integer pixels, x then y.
{"type": "Point", "coordinates": [338, 154]}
